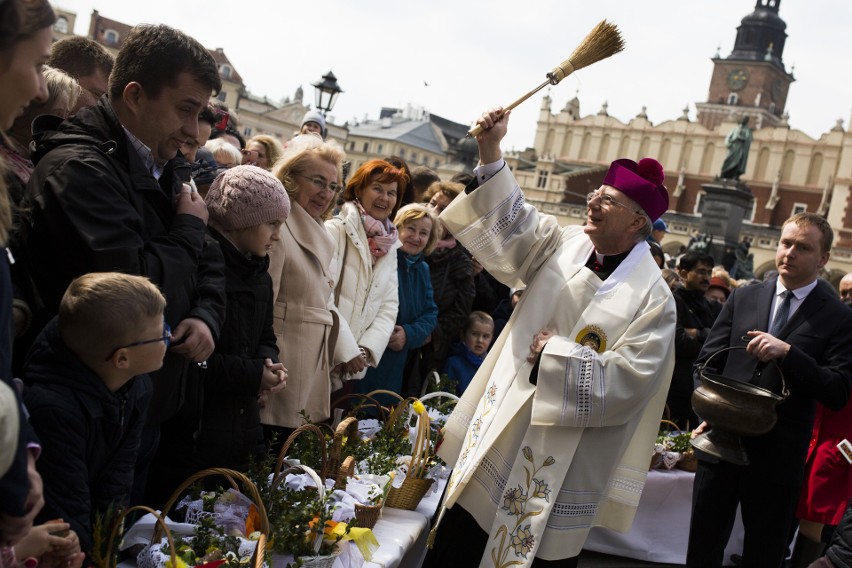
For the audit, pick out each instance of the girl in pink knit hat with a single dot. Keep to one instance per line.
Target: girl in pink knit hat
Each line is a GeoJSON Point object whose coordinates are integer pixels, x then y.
{"type": "Point", "coordinates": [220, 424]}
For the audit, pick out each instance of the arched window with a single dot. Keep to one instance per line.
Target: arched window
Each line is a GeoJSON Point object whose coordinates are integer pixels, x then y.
{"type": "Point", "coordinates": [664, 153]}
{"type": "Point", "coordinates": [787, 165]}
{"type": "Point", "coordinates": [685, 155]}
{"type": "Point", "coordinates": [111, 37]}
{"type": "Point", "coordinates": [225, 71]}
{"type": "Point", "coordinates": [61, 25]}
{"type": "Point", "coordinates": [584, 147]}
{"type": "Point", "coordinates": [814, 169]}
{"type": "Point", "coordinates": [643, 148]}
{"type": "Point", "coordinates": [707, 158]}
{"type": "Point", "coordinates": [762, 163]}
{"type": "Point", "coordinates": [604, 149]}
{"type": "Point", "coordinates": [733, 99]}
{"type": "Point", "coordinates": [623, 146]}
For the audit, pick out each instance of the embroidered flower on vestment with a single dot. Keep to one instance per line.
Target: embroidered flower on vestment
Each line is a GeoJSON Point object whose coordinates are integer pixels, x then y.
{"type": "Point", "coordinates": [514, 501]}
{"type": "Point", "coordinates": [523, 541]}
{"type": "Point", "coordinates": [475, 428]}
{"type": "Point", "coordinates": [541, 490]}
{"type": "Point", "coordinates": [491, 395]}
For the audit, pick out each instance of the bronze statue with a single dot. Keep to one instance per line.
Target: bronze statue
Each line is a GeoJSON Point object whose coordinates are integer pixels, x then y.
{"type": "Point", "coordinates": [738, 143]}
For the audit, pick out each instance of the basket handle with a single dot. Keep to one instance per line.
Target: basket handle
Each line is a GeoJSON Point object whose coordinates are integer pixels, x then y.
{"type": "Point", "coordinates": [366, 401]}
{"type": "Point", "coordinates": [420, 450]}
{"type": "Point", "coordinates": [230, 475]}
{"type": "Point", "coordinates": [784, 391]}
{"type": "Point", "coordinates": [439, 394]}
{"type": "Point", "coordinates": [292, 438]}
{"type": "Point", "coordinates": [348, 426]}
{"type": "Point", "coordinates": [160, 524]}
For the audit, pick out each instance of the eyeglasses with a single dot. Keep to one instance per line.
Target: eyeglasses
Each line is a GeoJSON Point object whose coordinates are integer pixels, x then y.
{"type": "Point", "coordinates": [320, 183]}
{"type": "Point", "coordinates": [165, 338]}
{"type": "Point", "coordinates": [607, 200]}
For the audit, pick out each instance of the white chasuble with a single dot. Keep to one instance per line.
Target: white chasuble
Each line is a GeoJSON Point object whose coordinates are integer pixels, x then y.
{"type": "Point", "coordinates": [538, 465]}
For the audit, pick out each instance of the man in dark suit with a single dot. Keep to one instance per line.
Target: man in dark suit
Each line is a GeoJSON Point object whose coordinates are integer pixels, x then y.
{"type": "Point", "coordinates": [807, 342]}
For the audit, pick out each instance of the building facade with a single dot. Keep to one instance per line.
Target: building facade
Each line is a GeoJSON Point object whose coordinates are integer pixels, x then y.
{"type": "Point", "coordinates": [787, 170]}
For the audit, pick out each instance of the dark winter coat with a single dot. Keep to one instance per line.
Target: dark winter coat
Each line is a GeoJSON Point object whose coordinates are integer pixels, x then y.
{"type": "Point", "coordinates": [89, 435]}
{"type": "Point", "coordinates": [95, 207]}
{"type": "Point", "coordinates": [694, 311]}
{"type": "Point", "coordinates": [452, 284]}
{"type": "Point", "coordinates": [840, 549]}
{"type": "Point", "coordinates": [219, 425]}
{"type": "Point", "coordinates": [417, 315]}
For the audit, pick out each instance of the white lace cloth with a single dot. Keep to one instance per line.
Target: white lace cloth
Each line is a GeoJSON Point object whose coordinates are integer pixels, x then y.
{"type": "Point", "coordinates": [151, 555]}
{"type": "Point", "coordinates": [229, 511]}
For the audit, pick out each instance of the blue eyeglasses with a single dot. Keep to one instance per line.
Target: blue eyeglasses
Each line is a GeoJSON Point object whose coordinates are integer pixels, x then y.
{"type": "Point", "coordinates": [165, 338]}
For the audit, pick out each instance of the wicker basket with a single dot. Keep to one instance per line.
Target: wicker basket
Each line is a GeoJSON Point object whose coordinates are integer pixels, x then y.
{"type": "Point", "coordinates": [250, 490]}
{"type": "Point", "coordinates": [414, 486]}
{"type": "Point", "coordinates": [688, 462]}
{"type": "Point", "coordinates": [315, 430]}
{"type": "Point", "coordinates": [364, 401]}
{"type": "Point", "coordinates": [160, 523]}
{"type": "Point", "coordinates": [367, 515]}
{"type": "Point", "coordinates": [342, 468]}
{"type": "Point", "coordinates": [408, 496]}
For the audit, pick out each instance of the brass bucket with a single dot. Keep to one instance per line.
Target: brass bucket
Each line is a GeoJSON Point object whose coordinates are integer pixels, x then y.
{"type": "Point", "coordinates": [732, 408]}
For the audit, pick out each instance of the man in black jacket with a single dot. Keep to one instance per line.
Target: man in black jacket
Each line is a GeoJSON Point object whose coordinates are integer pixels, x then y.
{"type": "Point", "coordinates": [786, 334]}
{"type": "Point", "coordinates": [695, 317]}
{"type": "Point", "coordinates": [109, 193]}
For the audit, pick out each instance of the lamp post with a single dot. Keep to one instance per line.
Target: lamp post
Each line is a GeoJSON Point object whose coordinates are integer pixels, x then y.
{"type": "Point", "coordinates": [326, 93]}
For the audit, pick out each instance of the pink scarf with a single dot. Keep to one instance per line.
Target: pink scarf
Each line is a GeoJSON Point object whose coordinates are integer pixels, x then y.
{"type": "Point", "coordinates": [381, 235]}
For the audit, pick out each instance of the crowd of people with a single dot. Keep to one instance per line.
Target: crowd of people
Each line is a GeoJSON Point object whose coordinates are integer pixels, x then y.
{"type": "Point", "coordinates": [175, 297]}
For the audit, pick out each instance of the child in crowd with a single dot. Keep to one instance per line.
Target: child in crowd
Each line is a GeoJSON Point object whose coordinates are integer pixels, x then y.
{"type": "Point", "coordinates": [467, 355]}
{"type": "Point", "coordinates": [219, 425]}
{"type": "Point", "coordinates": [87, 392]}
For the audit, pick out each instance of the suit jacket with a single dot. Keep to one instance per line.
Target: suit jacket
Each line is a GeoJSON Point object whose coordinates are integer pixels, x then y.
{"type": "Point", "coordinates": [818, 367]}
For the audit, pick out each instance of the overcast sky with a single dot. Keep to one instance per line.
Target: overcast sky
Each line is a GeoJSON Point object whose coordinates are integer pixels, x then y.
{"type": "Point", "coordinates": [474, 55]}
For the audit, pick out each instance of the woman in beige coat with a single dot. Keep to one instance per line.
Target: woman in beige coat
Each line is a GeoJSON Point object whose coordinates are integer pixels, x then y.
{"type": "Point", "coordinates": [310, 170]}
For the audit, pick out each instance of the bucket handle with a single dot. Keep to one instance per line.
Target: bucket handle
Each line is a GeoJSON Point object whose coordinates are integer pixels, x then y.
{"type": "Point", "coordinates": [784, 392]}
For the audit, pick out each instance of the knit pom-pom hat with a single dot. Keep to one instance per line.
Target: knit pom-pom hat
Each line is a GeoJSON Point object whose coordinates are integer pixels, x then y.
{"type": "Point", "coordinates": [245, 196]}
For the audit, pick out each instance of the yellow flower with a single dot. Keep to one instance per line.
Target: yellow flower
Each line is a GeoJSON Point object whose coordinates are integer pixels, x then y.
{"type": "Point", "coordinates": [418, 407]}
{"type": "Point", "coordinates": [179, 563]}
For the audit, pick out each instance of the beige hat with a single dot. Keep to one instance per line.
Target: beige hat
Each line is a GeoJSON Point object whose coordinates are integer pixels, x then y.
{"type": "Point", "coordinates": [9, 425]}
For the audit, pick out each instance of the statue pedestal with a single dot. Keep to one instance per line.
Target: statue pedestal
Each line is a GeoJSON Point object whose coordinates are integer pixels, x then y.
{"type": "Point", "coordinates": [724, 206]}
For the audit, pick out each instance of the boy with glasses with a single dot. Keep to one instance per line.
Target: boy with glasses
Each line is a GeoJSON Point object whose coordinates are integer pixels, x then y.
{"type": "Point", "coordinates": [87, 391]}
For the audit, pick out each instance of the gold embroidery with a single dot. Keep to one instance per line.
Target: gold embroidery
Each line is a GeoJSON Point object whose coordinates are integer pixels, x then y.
{"type": "Point", "coordinates": [593, 337]}
{"type": "Point", "coordinates": [519, 502]}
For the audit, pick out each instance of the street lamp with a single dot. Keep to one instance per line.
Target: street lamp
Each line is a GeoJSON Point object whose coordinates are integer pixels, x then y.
{"type": "Point", "coordinates": [326, 92]}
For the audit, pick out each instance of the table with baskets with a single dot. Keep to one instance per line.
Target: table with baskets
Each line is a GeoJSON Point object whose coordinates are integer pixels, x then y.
{"type": "Point", "coordinates": [265, 512]}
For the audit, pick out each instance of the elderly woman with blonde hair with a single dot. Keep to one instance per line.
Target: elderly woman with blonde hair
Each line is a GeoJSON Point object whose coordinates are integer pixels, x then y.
{"type": "Point", "coordinates": [417, 315]}
{"type": "Point", "coordinates": [310, 170]}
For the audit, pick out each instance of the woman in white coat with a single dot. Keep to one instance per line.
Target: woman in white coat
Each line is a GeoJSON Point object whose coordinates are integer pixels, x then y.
{"type": "Point", "coordinates": [310, 170]}
{"type": "Point", "coordinates": [364, 268]}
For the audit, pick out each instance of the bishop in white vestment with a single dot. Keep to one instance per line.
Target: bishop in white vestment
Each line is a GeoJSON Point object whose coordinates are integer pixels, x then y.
{"type": "Point", "coordinates": [553, 438]}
